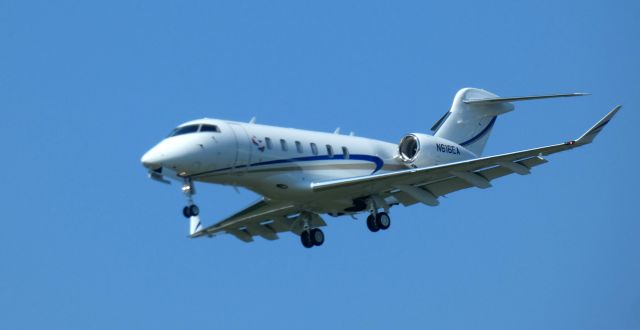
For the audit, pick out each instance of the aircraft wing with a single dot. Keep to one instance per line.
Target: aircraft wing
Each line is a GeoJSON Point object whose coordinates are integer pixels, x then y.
{"type": "Point", "coordinates": [265, 218]}
{"type": "Point", "coordinates": [427, 184]}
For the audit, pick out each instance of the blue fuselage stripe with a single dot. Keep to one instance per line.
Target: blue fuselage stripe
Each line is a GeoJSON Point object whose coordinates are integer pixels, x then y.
{"type": "Point", "coordinates": [374, 159]}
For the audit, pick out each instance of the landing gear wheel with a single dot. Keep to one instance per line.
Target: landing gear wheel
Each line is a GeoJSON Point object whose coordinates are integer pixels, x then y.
{"type": "Point", "coordinates": [383, 220]}
{"type": "Point", "coordinates": [305, 238]}
{"type": "Point", "coordinates": [194, 210]}
{"type": "Point", "coordinates": [190, 211]}
{"type": "Point", "coordinates": [317, 236]}
{"type": "Point", "coordinates": [372, 224]}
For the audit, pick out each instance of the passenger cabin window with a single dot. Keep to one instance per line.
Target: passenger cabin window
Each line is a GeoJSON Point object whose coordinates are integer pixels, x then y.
{"type": "Point", "coordinates": [329, 150]}
{"type": "Point", "coordinates": [299, 147]}
{"type": "Point", "coordinates": [283, 144]}
{"type": "Point", "coordinates": [345, 153]}
{"type": "Point", "coordinates": [209, 128]}
{"type": "Point", "coordinates": [184, 130]}
{"type": "Point", "coordinates": [267, 141]}
{"type": "Point", "coordinates": [314, 149]}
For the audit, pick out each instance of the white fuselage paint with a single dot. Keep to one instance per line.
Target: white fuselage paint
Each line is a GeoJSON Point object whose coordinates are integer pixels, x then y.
{"type": "Point", "coordinates": [252, 156]}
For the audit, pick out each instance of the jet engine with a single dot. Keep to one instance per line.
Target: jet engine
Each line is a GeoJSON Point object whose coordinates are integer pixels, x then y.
{"type": "Point", "coordinates": [420, 150]}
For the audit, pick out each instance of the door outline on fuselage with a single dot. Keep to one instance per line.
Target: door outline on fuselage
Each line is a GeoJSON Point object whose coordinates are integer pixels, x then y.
{"type": "Point", "coordinates": [243, 147]}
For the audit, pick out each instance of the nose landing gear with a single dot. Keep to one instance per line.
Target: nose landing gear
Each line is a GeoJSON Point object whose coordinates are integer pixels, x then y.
{"type": "Point", "coordinates": [191, 210]}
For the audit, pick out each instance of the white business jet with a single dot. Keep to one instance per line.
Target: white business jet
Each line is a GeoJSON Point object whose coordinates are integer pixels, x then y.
{"type": "Point", "coordinates": [304, 174]}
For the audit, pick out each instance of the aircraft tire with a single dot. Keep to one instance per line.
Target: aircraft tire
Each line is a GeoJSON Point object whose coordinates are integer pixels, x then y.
{"type": "Point", "coordinates": [316, 236]}
{"type": "Point", "coordinates": [372, 224]}
{"type": "Point", "coordinates": [186, 211]}
{"type": "Point", "coordinates": [194, 210]}
{"type": "Point", "coordinates": [305, 238]}
{"type": "Point", "coordinates": [383, 220]}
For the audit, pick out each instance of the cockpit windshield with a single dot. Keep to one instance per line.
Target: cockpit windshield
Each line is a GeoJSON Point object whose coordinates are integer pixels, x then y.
{"type": "Point", "coordinates": [209, 128]}
{"type": "Point", "coordinates": [194, 129]}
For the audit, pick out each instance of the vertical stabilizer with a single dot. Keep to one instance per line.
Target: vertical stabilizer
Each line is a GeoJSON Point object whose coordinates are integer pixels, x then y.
{"type": "Point", "coordinates": [473, 114]}
{"type": "Point", "coordinates": [470, 124]}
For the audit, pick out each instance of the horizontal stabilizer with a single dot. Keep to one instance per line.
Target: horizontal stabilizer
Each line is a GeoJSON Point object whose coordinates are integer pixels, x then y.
{"type": "Point", "coordinates": [519, 98]}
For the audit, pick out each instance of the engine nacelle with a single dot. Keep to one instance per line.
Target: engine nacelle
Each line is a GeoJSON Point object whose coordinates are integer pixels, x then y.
{"type": "Point", "coordinates": [420, 150]}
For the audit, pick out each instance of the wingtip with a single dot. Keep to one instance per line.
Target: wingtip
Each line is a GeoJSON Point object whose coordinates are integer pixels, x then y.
{"type": "Point", "coordinates": [612, 112]}
{"type": "Point", "coordinates": [589, 135]}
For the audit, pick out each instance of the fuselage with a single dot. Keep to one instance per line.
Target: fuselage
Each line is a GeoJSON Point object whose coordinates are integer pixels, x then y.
{"type": "Point", "coordinates": [303, 174]}
{"type": "Point", "coordinates": [281, 163]}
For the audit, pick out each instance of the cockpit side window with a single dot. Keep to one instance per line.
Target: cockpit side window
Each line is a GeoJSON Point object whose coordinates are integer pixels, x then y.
{"type": "Point", "coordinates": [209, 128]}
{"type": "Point", "coordinates": [184, 130]}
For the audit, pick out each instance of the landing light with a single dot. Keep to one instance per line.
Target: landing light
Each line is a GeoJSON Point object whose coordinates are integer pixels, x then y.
{"type": "Point", "coordinates": [186, 188]}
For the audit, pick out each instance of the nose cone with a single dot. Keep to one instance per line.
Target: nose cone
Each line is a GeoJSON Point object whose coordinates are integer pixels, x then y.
{"type": "Point", "coordinates": [152, 159]}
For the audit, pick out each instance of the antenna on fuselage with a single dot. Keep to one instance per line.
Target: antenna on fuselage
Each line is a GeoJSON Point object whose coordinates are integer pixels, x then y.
{"type": "Point", "coordinates": [337, 131]}
{"type": "Point", "coordinates": [253, 120]}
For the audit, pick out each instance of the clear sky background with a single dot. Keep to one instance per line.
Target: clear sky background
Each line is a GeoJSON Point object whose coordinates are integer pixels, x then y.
{"type": "Point", "coordinates": [88, 242]}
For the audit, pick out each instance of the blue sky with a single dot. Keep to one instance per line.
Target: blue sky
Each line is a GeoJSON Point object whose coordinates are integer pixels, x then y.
{"type": "Point", "coordinates": [88, 242]}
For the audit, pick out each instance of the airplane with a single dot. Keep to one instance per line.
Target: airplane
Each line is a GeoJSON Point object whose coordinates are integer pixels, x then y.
{"type": "Point", "coordinates": [303, 174]}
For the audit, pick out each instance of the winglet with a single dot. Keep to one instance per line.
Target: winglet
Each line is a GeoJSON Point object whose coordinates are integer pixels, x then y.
{"type": "Point", "coordinates": [589, 135]}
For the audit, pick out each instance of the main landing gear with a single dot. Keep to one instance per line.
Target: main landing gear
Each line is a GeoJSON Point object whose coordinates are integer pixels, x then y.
{"type": "Point", "coordinates": [377, 221]}
{"type": "Point", "coordinates": [311, 238]}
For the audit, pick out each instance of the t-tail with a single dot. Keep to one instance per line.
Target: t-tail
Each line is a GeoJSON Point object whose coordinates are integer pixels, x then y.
{"type": "Point", "coordinates": [474, 112]}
